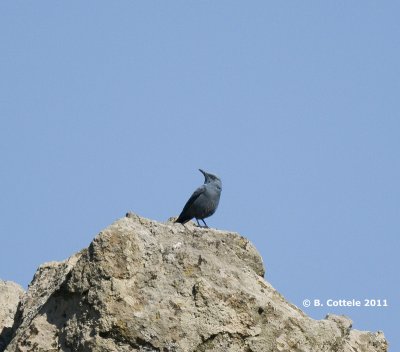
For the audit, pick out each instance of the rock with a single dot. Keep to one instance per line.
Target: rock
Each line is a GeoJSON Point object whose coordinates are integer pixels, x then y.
{"type": "Point", "coordinates": [32, 323]}
{"type": "Point", "coordinates": [10, 294]}
{"type": "Point", "coordinates": [147, 286]}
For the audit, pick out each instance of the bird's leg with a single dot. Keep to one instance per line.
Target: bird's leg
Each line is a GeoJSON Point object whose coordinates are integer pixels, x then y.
{"type": "Point", "coordinates": [198, 224]}
{"type": "Point", "coordinates": [204, 223]}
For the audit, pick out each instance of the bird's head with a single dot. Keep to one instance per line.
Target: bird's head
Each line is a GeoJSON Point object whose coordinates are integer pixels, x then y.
{"type": "Point", "coordinates": [210, 178]}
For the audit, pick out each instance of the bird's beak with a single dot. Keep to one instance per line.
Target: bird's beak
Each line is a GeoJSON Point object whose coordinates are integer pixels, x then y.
{"type": "Point", "coordinates": [205, 175]}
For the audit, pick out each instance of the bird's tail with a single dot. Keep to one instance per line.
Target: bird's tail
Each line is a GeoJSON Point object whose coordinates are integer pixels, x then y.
{"type": "Point", "coordinates": [181, 220]}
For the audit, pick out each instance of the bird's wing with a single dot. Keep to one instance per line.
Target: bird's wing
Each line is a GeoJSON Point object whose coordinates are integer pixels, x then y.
{"type": "Point", "coordinates": [194, 196]}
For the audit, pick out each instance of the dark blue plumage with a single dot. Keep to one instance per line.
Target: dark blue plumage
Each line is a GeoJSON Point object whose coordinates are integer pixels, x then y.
{"type": "Point", "coordinates": [204, 201]}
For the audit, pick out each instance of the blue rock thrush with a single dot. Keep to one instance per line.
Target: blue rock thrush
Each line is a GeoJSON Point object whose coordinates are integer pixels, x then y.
{"type": "Point", "coordinates": [203, 202]}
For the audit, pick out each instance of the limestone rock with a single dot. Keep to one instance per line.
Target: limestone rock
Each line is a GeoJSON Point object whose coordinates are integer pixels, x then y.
{"type": "Point", "coordinates": [10, 294]}
{"type": "Point", "coordinates": [147, 286]}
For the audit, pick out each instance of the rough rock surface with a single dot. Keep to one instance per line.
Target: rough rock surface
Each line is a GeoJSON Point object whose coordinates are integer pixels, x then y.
{"type": "Point", "coordinates": [146, 286]}
{"type": "Point", "coordinates": [10, 295]}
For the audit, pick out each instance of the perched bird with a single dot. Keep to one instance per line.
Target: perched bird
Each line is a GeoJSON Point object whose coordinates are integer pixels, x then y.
{"type": "Point", "coordinates": [203, 202]}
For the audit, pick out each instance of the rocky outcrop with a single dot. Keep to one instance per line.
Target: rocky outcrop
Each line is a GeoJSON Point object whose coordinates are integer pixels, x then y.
{"type": "Point", "coordinates": [147, 286]}
{"type": "Point", "coordinates": [10, 295]}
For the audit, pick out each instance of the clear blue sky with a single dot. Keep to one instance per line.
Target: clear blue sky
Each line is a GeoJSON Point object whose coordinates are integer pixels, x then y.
{"type": "Point", "coordinates": [107, 107]}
